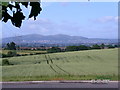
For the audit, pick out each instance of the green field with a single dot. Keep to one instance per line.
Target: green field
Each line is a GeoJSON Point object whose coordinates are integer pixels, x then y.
{"type": "Point", "coordinates": [78, 65]}
{"type": "Point", "coordinates": [22, 52]}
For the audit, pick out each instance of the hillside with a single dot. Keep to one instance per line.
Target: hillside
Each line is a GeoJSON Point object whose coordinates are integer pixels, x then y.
{"type": "Point", "coordinates": [76, 65]}
{"type": "Point", "coordinates": [55, 39]}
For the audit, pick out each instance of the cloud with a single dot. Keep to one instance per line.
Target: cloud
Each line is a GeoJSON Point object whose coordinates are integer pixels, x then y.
{"type": "Point", "coordinates": [64, 4]}
{"type": "Point", "coordinates": [106, 19]}
{"type": "Point", "coordinates": [47, 27]}
{"type": "Point", "coordinates": [46, 4]}
{"type": "Point", "coordinates": [117, 19]}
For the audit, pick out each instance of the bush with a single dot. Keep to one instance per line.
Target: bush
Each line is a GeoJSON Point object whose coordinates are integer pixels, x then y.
{"type": "Point", "coordinates": [110, 46]}
{"type": "Point", "coordinates": [77, 48]}
{"type": "Point", "coordinates": [11, 53]}
{"type": "Point", "coordinates": [96, 46]}
{"type": "Point", "coordinates": [18, 55]}
{"type": "Point", "coordinates": [4, 55]}
{"type": "Point", "coordinates": [53, 50]}
{"type": "Point", "coordinates": [5, 62]}
{"type": "Point", "coordinates": [72, 48]}
{"type": "Point", "coordinates": [0, 55]}
{"type": "Point", "coordinates": [32, 54]}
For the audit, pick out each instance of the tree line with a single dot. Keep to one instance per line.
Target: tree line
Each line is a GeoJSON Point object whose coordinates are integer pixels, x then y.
{"type": "Point", "coordinates": [80, 48]}
{"type": "Point", "coordinates": [13, 49]}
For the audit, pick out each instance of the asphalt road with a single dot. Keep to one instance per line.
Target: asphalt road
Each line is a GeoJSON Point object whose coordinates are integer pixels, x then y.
{"type": "Point", "coordinates": [60, 85]}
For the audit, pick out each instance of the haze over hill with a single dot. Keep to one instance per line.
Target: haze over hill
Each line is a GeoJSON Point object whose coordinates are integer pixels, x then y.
{"type": "Point", "coordinates": [55, 39]}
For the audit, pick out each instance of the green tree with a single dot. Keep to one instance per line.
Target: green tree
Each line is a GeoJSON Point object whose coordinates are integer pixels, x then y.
{"type": "Point", "coordinates": [115, 45]}
{"type": "Point", "coordinates": [96, 46]}
{"type": "Point", "coordinates": [83, 47]}
{"type": "Point", "coordinates": [53, 50]}
{"type": "Point", "coordinates": [110, 46]}
{"type": "Point", "coordinates": [11, 46]}
{"type": "Point", "coordinates": [17, 11]}
{"type": "Point", "coordinates": [102, 45]}
{"type": "Point", "coordinates": [77, 48]}
{"type": "Point", "coordinates": [72, 48]}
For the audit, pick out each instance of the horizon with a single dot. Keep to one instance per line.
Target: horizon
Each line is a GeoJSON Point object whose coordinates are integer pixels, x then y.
{"type": "Point", "coordinates": [90, 20]}
{"type": "Point", "coordinates": [56, 34]}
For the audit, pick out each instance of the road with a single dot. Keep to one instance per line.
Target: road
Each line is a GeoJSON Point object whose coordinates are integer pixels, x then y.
{"type": "Point", "coordinates": [59, 85]}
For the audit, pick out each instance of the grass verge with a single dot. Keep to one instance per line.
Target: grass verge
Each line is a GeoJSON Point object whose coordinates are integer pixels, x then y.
{"type": "Point", "coordinates": [64, 77]}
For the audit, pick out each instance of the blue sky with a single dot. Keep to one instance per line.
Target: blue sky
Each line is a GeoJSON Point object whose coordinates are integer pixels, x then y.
{"type": "Point", "coordinates": [88, 19]}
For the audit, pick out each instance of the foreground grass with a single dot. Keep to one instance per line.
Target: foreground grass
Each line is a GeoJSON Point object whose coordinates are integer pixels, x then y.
{"type": "Point", "coordinates": [78, 65]}
{"type": "Point", "coordinates": [49, 78]}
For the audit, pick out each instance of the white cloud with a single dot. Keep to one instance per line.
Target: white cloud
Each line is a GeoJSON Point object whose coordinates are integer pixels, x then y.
{"type": "Point", "coordinates": [46, 4]}
{"type": "Point", "coordinates": [64, 4]}
{"type": "Point", "coordinates": [117, 19]}
{"type": "Point", "coordinates": [107, 19]}
{"type": "Point", "coordinates": [47, 27]}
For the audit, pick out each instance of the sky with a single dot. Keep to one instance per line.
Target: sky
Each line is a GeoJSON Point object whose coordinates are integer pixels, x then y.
{"type": "Point", "coordinates": [87, 19]}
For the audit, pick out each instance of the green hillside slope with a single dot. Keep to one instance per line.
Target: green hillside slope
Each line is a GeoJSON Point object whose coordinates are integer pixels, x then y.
{"type": "Point", "coordinates": [78, 65]}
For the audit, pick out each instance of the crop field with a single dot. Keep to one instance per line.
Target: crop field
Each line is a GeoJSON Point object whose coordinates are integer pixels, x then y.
{"type": "Point", "coordinates": [21, 52]}
{"type": "Point", "coordinates": [77, 65]}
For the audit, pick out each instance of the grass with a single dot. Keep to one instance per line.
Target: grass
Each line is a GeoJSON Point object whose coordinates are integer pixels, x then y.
{"type": "Point", "coordinates": [22, 52]}
{"type": "Point", "coordinates": [59, 77]}
{"type": "Point", "coordinates": [78, 65]}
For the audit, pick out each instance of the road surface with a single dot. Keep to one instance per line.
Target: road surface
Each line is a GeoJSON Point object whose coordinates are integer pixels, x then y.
{"type": "Point", "coordinates": [59, 85]}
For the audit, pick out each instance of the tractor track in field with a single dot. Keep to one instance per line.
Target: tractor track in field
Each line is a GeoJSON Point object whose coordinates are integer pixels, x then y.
{"type": "Point", "coordinates": [51, 65]}
{"type": "Point", "coordinates": [62, 70]}
{"type": "Point", "coordinates": [54, 69]}
{"type": "Point", "coordinates": [48, 58]}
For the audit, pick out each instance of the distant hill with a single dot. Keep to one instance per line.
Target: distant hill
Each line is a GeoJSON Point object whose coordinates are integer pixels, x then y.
{"type": "Point", "coordinates": [55, 39]}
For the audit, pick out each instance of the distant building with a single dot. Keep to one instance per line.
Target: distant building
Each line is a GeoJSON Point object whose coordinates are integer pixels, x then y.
{"type": "Point", "coordinates": [33, 48]}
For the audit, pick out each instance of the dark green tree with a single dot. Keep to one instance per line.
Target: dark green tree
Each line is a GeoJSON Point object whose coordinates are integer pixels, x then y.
{"type": "Point", "coordinates": [115, 45]}
{"type": "Point", "coordinates": [18, 16]}
{"type": "Point", "coordinates": [102, 45]}
{"type": "Point", "coordinates": [110, 46]}
{"type": "Point", "coordinates": [72, 48]}
{"type": "Point", "coordinates": [96, 46]}
{"type": "Point", "coordinates": [11, 46]}
{"type": "Point", "coordinates": [83, 47]}
{"type": "Point", "coordinates": [53, 50]}
{"type": "Point", "coordinates": [77, 48]}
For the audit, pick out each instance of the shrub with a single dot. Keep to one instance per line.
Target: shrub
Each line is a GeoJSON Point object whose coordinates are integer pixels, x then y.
{"type": "Point", "coordinates": [4, 55]}
{"type": "Point", "coordinates": [18, 55]}
{"type": "Point", "coordinates": [110, 46]}
{"type": "Point", "coordinates": [0, 55]}
{"type": "Point", "coordinates": [77, 48]}
{"type": "Point", "coordinates": [5, 62]}
{"type": "Point", "coordinates": [32, 54]}
{"type": "Point", "coordinates": [96, 46]}
{"type": "Point", "coordinates": [53, 50]}
{"type": "Point", "coordinates": [11, 53]}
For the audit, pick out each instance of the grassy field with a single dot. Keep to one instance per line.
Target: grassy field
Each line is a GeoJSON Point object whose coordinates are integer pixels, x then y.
{"type": "Point", "coordinates": [22, 52]}
{"type": "Point", "coordinates": [78, 65]}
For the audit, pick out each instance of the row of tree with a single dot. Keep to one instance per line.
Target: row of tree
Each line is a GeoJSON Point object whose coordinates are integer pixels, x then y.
{"type": "Point", "coordinates": [79, 48]}
{"type": "Point", "coordinates": [13, 46]}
